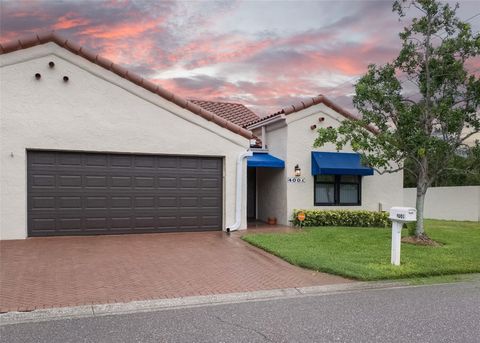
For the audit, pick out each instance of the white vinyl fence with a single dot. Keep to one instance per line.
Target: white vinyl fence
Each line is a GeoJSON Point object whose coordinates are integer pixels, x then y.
{"type": "Point", "coordinates": [454, 203]}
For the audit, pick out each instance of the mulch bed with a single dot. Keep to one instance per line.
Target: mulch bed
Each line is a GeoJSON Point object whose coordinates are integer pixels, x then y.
{"type": "Point", "coordinates": [421, 240]}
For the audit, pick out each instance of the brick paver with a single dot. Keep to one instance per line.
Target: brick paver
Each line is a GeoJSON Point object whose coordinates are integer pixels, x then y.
{"type": "Point", "coordinates": [70, 271]}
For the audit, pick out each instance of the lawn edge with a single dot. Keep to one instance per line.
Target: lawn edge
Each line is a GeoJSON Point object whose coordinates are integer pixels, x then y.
{"type": "Point", "coordinates": [353, 277]}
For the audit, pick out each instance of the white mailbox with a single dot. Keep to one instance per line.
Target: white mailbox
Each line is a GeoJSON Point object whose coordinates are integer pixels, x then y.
{"type": "Point", "coordinates": [398, 216]}
{"type": "Point", "coordinates": [403, 214]}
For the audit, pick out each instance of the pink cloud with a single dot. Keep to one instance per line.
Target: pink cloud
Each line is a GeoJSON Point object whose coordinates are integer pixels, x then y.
{"type": "Point", "coordinates": [220, 49]}
{"type": "Point", "coordinates": [272, 66]}
{"type": "Point", "coordinates": [121, 30]}
{"type": "Point", "coordinates": [69, 21]}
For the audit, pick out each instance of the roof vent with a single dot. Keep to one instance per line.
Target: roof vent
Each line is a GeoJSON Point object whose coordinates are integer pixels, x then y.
{"type": "Point", "coordinates": [51, 64]}
{"type": "Point", "coordinates": [38, 76]}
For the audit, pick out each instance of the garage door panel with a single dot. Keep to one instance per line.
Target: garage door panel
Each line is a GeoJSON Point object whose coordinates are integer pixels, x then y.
{"type": "Point", "coordinates": [120, 161]}
{"type": "Point", "coordinates": [43, 181]}
{"type": "Point", "coordinates": [166, 201]}
{"type": "Point", "coordinates": [96, 223]}
{"type": "Point", "coordinates": [43, 203]}
{"type": "Point", "coordinates": [144, 181]}
{"type": "Point", "coordinates": [145, 222]}
{"type": "Point", "coordinates": [42, 158]}
{"type": "Point", "coordinates": [45, 223]}
{"type": "Point", "coordinates": [189, 163]}
{"type": "Point", "coordinates": [96, 202]}
{"type": "Point", "coordinates": [69, 159]}
{"type": "Point", "coordinates": [67, 181]}
{"type": "Point", "coordinates": [121, 222]}
{"type": "Point", "coordinates": [145, 202]}
{"type": "Point", "coordinates": [210, 221]}
{"type": "Point", "coordinates": [117, 202]}
{"type": "Point", "coordinates": [70, 224]}
{"type": "Point", "coordinates": [189, 182]}
{"type": "Point", "coordinates": [167, 162]}
{"type": "Point", "coordinates": [121, 181]}
{"type": "Point", "coordinates": [96, 160]}
{"type": "Point", "coordinates": [69, 202]}
{"type": "Point", "coordinates": [145, 162]}
{"type": "Point", "coordinates": [96, 181]}
{"type": "Point", "coordinates": [167, 182]}
{"type": "Point", "coordinates": [188, 221]}
{"type": "Point", "coordinates": [91, 193]}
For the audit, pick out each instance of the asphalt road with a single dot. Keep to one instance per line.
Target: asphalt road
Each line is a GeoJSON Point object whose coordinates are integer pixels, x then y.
{"type": "Point", "coordinates": [440, 313]}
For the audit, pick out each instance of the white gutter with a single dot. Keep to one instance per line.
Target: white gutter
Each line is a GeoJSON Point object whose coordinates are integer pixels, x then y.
{"type": "Point", "coordinates": [239, 191]}
{"type": "Point", "coordinates": [264, 138]}
{"type": "Point", "coordinates": [266, 122]}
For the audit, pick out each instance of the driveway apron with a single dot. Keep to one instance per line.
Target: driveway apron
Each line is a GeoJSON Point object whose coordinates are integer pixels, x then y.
{"type": "Point", "coordinates": [71, 271]}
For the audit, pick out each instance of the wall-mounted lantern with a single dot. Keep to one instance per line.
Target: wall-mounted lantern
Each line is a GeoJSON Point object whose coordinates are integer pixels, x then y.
{"type": "Point", "coordinates": [298, 171]}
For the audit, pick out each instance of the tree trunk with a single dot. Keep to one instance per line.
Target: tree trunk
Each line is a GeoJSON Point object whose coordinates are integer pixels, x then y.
{"type": "Point", "coordinates": [419, 229]}
{"type": "Point", "coordinates": [422, 186]}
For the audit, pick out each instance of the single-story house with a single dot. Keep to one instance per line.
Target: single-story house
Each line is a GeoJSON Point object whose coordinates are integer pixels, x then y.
{"type": "Point", "coordinates": [89, 147]}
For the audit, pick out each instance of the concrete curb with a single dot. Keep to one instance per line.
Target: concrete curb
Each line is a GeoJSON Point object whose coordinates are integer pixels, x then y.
{"type": "Point", "coordinates": [186, 302]}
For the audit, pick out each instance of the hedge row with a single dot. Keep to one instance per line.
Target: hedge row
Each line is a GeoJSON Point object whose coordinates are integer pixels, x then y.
{"type": "Point", "coordinates": [342, 218]}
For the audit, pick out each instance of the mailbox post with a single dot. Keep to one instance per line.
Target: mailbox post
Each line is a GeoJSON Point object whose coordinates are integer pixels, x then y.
{"type": "Point", "coordinates": [398, 216]}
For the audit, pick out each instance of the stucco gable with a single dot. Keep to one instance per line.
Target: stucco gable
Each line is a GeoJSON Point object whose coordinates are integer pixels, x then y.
{"type": "Point", "coordinates": [95, 95]}
{"type": "Point", "coordinates": [34, 40]}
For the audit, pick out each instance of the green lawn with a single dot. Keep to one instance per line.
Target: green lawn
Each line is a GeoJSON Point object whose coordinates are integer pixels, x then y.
{"type": "Point", "coordinates": [364, 253]}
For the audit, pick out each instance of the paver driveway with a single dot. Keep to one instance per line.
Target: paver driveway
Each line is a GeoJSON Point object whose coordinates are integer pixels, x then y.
{"type": "Point", "coordinates": [70, 271]}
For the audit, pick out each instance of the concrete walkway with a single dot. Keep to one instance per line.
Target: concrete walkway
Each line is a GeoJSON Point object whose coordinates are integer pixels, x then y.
{"type": "Point", "coordinates": [40, 273]}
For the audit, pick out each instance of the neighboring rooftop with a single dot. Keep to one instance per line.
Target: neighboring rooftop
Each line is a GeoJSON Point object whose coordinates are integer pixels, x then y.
{"type": "Point", "coordinates": [50, 36]}
{"type": "Point", "coordinates": [234, 112]}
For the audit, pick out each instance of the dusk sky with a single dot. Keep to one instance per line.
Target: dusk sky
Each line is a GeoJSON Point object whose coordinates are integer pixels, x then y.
{"type": "Point", "coordinates": [264, 54]}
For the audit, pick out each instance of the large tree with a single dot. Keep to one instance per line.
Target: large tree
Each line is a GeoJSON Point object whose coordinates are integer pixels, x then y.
{"type": "Point", "coordinates": [423, 105]}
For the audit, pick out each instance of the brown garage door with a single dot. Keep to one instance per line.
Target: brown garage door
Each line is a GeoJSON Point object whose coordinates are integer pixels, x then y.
{"type": "Point", "coordinates": [71, 193]}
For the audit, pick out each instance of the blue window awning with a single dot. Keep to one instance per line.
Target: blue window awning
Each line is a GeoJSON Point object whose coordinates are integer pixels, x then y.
{"type": "Point", "coordinates": [263, 159]}
{"type": "Point", "coordinates": [338, 163]}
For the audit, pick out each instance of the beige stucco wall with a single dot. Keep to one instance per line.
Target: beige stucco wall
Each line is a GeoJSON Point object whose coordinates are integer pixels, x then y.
{"type": "Point", "coordinates": [95, 111]}
{"type": "Point", "coordinates": [454, 203]}
{"type": "Point", "coordinates": [378, 191]}
{"type": "Point", "coordinates": [271, 194]}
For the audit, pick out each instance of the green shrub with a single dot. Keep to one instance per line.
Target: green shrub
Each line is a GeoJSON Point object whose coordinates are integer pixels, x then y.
{"type": "Point", "coordinates": [342, 218]}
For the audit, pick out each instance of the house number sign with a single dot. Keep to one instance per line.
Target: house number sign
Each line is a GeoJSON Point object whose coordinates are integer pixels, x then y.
{"type": "Point", "coordinates": [296, 180]}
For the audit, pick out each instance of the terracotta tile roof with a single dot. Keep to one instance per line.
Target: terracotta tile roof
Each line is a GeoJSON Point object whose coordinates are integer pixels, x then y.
{"type": "Point", "coordinates": [264, 118]}
{"type": "Point", "coordinates": [233, 112]}
{"type": "Point", "coordinates": [320, 99]}
{"type": "Point", "coordinates": [51, 36]}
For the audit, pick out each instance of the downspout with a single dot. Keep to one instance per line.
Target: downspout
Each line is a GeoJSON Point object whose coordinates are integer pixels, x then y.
{"type": "Point", "coordinates": [239, 191]}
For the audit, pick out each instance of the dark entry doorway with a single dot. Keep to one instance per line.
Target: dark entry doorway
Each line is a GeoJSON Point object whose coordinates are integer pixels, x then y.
{"type": "Point", "coordinates": [251, 193]}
